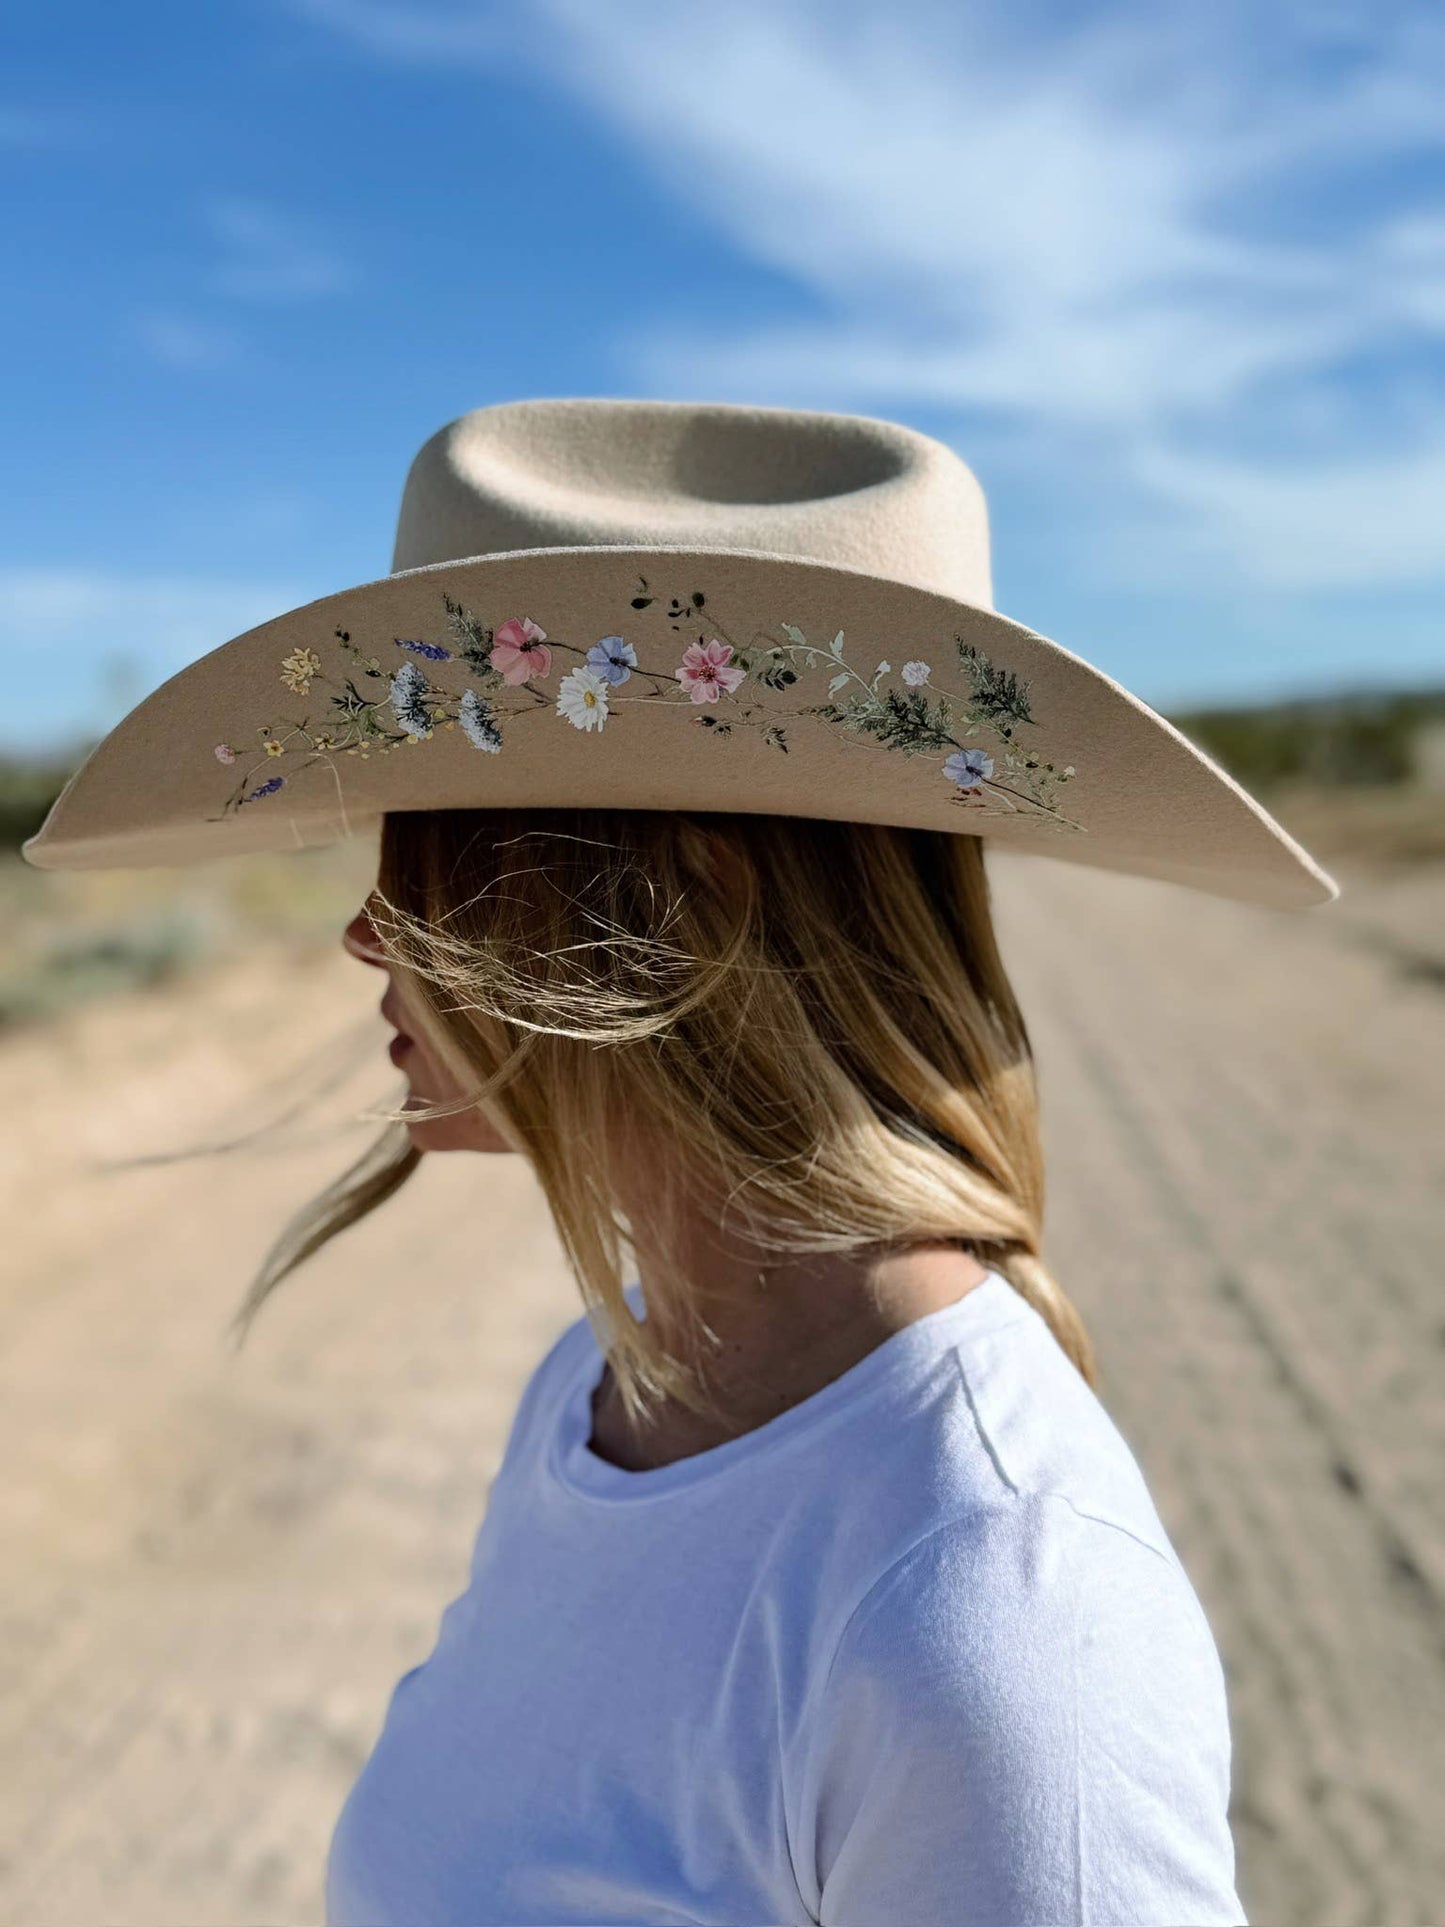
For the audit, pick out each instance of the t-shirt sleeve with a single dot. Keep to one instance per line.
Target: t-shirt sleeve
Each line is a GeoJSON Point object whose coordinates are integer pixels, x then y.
{"type": "Point", "coordinates": [1024, 1725]}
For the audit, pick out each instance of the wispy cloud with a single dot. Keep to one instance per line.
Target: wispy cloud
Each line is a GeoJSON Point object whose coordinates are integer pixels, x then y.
{"type": "Point", "coordinates": [261, 258]}
{"type": "Point", "coordinates": [267, 257]}
{"type": "Point", "coordinates": [176, 341]}
{"type": "Point", "coordinates": [113, 635]}
{"type": "Point", "coordinates": [1192, 260]}
{"type": "Point", "coordinates": [464, 32]}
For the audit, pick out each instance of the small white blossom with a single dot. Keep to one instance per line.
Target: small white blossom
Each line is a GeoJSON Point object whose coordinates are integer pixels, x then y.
{"type": "Point", "coordinates": [409, 691]}
{"type": "Point", "coordinates": [915, 673]}
{"type": "Point", "coordinates": [478, 720]}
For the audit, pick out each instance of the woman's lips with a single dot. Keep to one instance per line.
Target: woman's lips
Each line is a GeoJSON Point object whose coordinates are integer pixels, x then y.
{"type": "Point", "coordinates": [401, 1043]}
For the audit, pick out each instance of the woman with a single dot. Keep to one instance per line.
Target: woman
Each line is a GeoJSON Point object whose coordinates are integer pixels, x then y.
{"type": "Point", "coordinates": [815, 1584]}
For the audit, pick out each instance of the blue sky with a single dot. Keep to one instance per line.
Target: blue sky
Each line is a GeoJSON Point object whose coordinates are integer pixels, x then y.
{"type": "Point", "coordinates": [1172, 279]}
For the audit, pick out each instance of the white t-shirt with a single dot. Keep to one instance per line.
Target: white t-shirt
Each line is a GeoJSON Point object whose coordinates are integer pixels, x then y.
{"type": "Point", "coordinates": [917, 1651]}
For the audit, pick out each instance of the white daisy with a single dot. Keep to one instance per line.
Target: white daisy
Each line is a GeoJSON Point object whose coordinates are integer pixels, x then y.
{"type": "Point", "coordinates": [582, 699]}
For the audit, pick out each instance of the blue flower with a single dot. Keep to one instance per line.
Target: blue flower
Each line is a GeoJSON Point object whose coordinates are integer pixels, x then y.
{"type": "Point", "coordinates": [433, 651]}
{"type": "Point", "coordinates": [409, 691]}
{"type": "Point", "coordinates": [479, 723]}
{"type": "Point", "coordinates": [613, 659]}
{"type": "Point", "coordinates": [268, 788]}
{"type": "Point", "coordinates": [968, 768]}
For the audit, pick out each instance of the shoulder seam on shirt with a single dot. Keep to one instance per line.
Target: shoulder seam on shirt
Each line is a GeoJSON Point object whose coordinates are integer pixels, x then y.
{"type": "Point", "coordinates": [1167, 1554]}
{"type": "Point", "coordinates": [1112, 1525]}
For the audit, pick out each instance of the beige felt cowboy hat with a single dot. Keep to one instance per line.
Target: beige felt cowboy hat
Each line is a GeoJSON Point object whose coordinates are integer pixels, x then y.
{"type": "Point", "coordinates": [669, 605]}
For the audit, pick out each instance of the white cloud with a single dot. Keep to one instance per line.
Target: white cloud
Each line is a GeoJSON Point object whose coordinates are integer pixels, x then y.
{"type": "Point", "coordinates": [1153, 244]}
{"type": "Point", "coordinates": [180, 342]}
{"type": "Point", "coordinates": [421, 36]}
{"type": "Point", "coordinates": [80, 646]}
{"type": "Point", "coordinates": [267, 258]}
{"type": "Point", "coordinates": [1357, 522]}
{"type": "Point", "coordinates": [263, 260]}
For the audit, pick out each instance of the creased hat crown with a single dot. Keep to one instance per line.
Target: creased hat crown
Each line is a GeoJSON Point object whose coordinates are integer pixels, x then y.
{"type": "Point", "coordinates": [842, 489]}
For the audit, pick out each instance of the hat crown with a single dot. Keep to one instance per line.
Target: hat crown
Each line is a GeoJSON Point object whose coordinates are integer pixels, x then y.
{"type": "Point", "coordinates": [841, 489]}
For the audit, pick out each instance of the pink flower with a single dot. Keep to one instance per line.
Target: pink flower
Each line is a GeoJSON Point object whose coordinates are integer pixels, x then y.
{"type": "Point", "coordinates": [704, 670]}
{"type": "Point", "coordinates": [519, 651]}
{"type": "Point", "coordinates": [224, 753]}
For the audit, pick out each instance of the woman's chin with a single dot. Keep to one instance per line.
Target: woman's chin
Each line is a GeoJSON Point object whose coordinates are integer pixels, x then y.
{"type": "Point", "coordinates": [463, 1131]}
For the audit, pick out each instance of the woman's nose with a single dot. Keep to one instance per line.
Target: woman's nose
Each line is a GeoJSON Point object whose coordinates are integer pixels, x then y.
{"type": "Point", "coordinates": [360, 939]}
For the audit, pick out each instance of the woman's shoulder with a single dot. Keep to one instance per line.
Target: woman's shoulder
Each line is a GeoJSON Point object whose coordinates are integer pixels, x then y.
{"type": "Point", "coordinates": [1045, 1433]}
{"type": "Point", "coordinates": [1001, 1442]}
{"type": "Point", "coordinates": [1024, 1719]}
{"type": "Point", "coordinates": [1003, 1522]}
{"type": "Point", "coordinates": [1022, 1669]}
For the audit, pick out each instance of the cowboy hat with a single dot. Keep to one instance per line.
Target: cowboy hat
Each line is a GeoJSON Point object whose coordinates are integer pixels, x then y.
{"type": "Point", "coordinates": [659, 605]}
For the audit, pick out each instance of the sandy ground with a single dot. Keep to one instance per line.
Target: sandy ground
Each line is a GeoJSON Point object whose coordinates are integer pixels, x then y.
{"type": "Point", "coordinates": [217, 1567]}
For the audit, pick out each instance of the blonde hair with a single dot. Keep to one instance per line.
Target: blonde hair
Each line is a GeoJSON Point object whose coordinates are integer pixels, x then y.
{"type": "Point", "coordinates": [801, 1027]}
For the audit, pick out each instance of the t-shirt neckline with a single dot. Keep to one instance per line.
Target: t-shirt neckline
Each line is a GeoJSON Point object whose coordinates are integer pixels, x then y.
{"type": "Point", "coordinates": [991, 1303]}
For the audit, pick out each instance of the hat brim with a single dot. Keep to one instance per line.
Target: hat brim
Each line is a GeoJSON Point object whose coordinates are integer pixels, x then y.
{"type": "Point", "coordinates": [290, 736]}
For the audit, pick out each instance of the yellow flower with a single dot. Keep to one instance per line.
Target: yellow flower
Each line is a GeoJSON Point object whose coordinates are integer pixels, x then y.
{"type": "Point", "coordinates": [273, 748]}
{"type": "Point", "coordinates": [298, 668]}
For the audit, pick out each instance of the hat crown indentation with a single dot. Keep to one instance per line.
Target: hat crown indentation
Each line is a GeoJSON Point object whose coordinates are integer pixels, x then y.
{"type": "Point", "coordinates": [833, 488]}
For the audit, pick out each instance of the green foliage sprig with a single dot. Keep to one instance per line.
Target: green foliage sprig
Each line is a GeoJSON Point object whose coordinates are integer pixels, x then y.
{"type": "Point", "coordinates": [473, 640]}
{"type": "Point", "coordinates": [993, 693]}
{"type": "Point", "coordinates": [898, 719]}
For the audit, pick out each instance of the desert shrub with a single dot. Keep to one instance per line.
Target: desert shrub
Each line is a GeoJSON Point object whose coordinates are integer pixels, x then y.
{"type": "Point", "coordinates": [27, 789]}
{"type": "Point", "coordinates": [1351, 741]}
{"type": "Point", "coordinates": [75, 965]}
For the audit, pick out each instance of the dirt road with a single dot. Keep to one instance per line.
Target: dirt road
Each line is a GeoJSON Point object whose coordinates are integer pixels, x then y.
{"type": "Point", "coordinates": [217, 1567]}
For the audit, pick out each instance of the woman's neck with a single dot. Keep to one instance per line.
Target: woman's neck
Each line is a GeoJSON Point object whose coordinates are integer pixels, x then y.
{"type": "Point", "coordinates": [784, 1332]}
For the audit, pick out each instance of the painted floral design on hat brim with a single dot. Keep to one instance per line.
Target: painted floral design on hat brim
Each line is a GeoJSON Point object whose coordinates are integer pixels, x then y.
{"type": "Point", "coordinates": [485, 681]}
